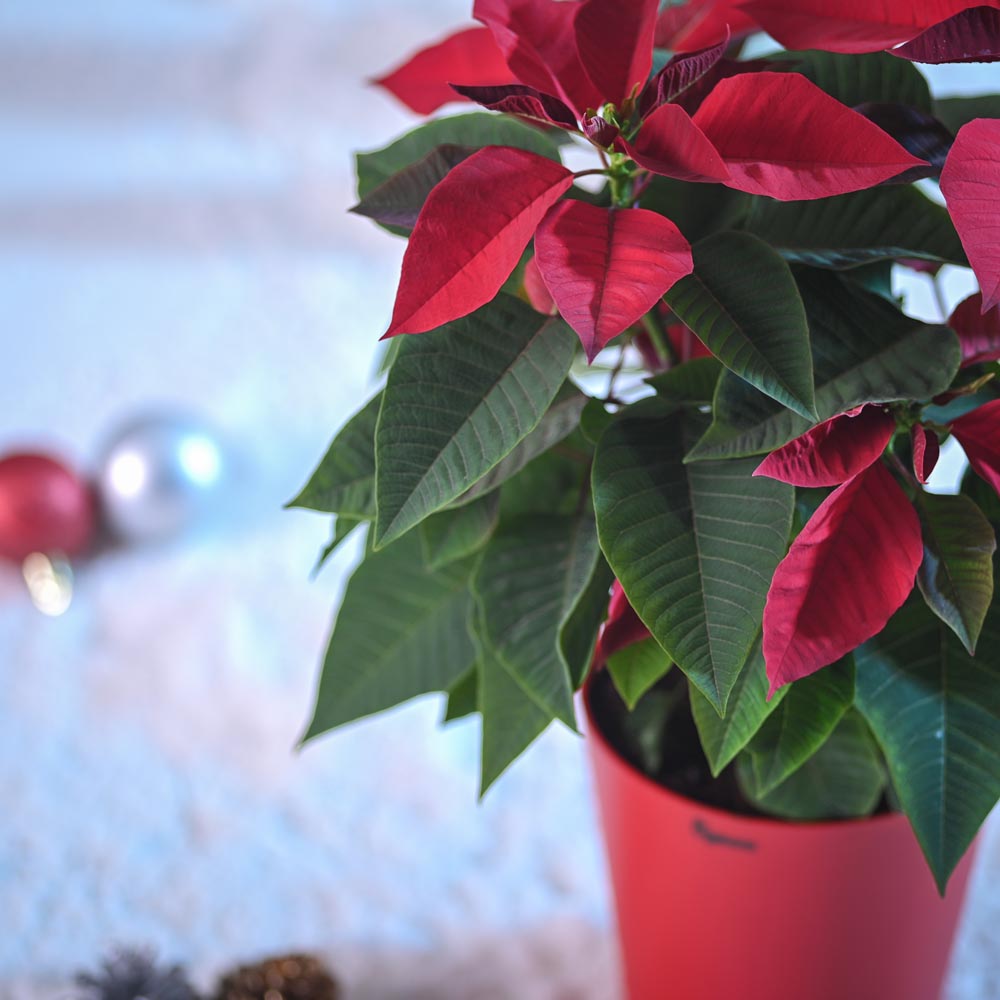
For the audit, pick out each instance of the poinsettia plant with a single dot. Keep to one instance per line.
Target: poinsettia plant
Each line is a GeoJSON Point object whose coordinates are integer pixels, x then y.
{"type": "Point", "coordinates": [662, 411]}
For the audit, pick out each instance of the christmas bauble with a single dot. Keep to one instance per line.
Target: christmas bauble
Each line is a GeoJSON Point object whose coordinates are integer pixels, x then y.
{"type": "Point", "coordinates": [159, 477]}
{"type": "Point", "coordinates": [44, 507]}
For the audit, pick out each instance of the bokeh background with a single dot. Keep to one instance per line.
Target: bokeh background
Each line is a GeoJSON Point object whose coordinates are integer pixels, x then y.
{"type": "Point", "coordinates": [173, 239]}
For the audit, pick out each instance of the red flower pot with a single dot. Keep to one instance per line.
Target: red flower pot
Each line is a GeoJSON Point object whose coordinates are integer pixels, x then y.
{"type": "Point", "coordinates": [716, 906]}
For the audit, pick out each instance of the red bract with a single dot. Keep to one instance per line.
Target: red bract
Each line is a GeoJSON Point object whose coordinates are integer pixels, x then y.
{"type": "Point", "coordinates": [670, 143]}
{"type": "Point", "coordinates": [833, 451]}
{"type": "Point", "coordinates": [615, 42]}
{"type": "Point", "coordinates": [848, 25]}
{"type": "Point", "coordinates": [926, 451]}
{"type": "Point", "coordinates": [971, 36]}
{"type": "Point", "coordinates": [978, 331]}
{"type": "Point", "coordinates": [539, 297]}
{"type": "Point", "coordinates": [978, 433]}
{"type": "Point", "coordinates": [781, 136]}
{"type": "Point", "coordinates": [622, 628]}
{"type": "Point", "coordinates": [848, 571]}
{"type": "Point", "coordinates": [701, 23]}
{"type": "Point", "coordinates": [538, 40]}
{"type": "Point", "coordinates": [686, 343]}
{"type": "Point", "coordinates": [471, 233]}
{"type": "Point", "coordinates": [693, 98]}
{"type": "Point", "coordinates": [470, 56]}
{"type": "Point", "coordinates": [970, 183]}
{"type": "Point", "coordinates": [606, 268]}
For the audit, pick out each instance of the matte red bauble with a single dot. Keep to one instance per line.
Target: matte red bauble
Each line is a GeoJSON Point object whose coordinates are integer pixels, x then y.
{"type": "Point", "coordinates": [44, 507]}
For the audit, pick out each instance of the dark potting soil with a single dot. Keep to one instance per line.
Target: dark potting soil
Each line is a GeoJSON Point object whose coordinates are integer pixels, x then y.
{"type": "Point", "coordinates": [659, 738]}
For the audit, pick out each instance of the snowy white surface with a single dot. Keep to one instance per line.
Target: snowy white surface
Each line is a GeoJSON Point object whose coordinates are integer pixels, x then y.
{"type": "Point", "coordinates": [172, 233]}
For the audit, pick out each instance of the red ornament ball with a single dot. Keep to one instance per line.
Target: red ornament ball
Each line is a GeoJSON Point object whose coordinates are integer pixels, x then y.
{"type": "Point", "coordinates": [44, 507]}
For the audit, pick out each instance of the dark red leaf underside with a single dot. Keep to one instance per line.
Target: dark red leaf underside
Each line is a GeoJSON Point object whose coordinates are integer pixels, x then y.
{"type": "Point", "coordinates": [599, 131]}
{"type": "Point", "coordinates": [539, 43]}
{"type": "Point", "coordinates": [978, 433]}
{"type": "Point", "coordinates": [470, 234]}
{"type": "Point", "coordinates": [606, 268]}
{"type": "Point", "coordinates": [926, 450]}
{"type": "Point", "coordinates": [970, 183]}
{"type": "Point", "coordinates": [970, 36]}
{"type": "Point", "coordinates": [470, 56]}
{"type": "Point", "coordinates": [978, 331]}
{"type": "Point", "coordinates": [849, 25]}
{"type": "Point", "coordinates": [917, 132]}
{"type": "Point", "coordinates": [622, 628]}
{"type": "Point", "coordinates": [833, 451]}
{"type": "Point", "coordinates": [848, 571]}
{"type": "Point", "coordinates": [517, 99]}
{"type": "Point", "coordinates": [670, 143]}
{"type": "Point", "coordinates": [680, 74]}
{"type": "Point", "coordinates": [615, 42]}
{"type": "Point", "coordinates": [783, 137]}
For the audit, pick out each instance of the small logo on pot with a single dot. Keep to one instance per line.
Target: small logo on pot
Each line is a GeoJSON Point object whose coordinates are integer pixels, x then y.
{"type": "Point", "coordinates": [700, 827]}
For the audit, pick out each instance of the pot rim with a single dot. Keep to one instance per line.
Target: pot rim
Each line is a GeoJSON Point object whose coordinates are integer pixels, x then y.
{"type": "Point", "coordinates": [593, 732]}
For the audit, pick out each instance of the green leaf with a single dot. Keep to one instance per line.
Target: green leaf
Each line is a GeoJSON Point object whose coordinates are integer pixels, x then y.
{"type": "Point", "coordinates": [692, 382]}
{"type": "Point", "coordinates": [885, 223]}
{"type": "Point", "coordinates": [553, 483]}
{"type": "Point", "coordinates": [512, 719]}
{"type": "Point", "coordinates": [457, 401]}
{"type": "Point", "coordinates": [697, 210]}
{"type": "Point", "coordinates": [560, 420]}
{"type": "Point", "coordinates": [594, 420]}
{"type": "Point", "coordinates": [453, 534]}
{"type": "Point", "coordinates": [397, 202]}
{"type": "Point", "coordinates": [694, 546]}
{"type": "Point", "coordinates": [473, 130]}
{"type": "Point", "coordinates": [528, 582]}
{"type": "Point", "coordinates": [463, 696]}
{"type": "Point", "coordinates": [843, 779]}
{"type": "Point", "coordinates": [875, 77]}
{"type": "Point", "coordinates": [801, 725]}
{"type": "Point", "coordinates": [935, 712]}
{"type": "Point", "coordinates": [343, 526]}
{"type": "Point", "coordinates": [578, 636]}
{"type": "Point", "coordinates": [636, 668]}
{"type": "Point", "coordinates": [864, 350]}
{"type": "Point", "coordinates": [401, 631]}
{"type": "Point", "coordinates": [875, 278]}
{"type": "Point", "coordinates": [982, 495]}
{"type": "Point", "coordinates": [344, 481]}
{"type": "Point", "coordinates": [722, 738]}
{"type": "Point", "coordinates": [743, 303]}
{"type": "Point", "coordinates": [958, 111]}
{"type": "Point", "coordinates": [956, 576]}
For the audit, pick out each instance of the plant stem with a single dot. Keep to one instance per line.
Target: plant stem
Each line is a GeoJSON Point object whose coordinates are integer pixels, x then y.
{"type": "Point", "coordinates": [658, 335]}
{"type": "Point", "coordinates": [615, 372]}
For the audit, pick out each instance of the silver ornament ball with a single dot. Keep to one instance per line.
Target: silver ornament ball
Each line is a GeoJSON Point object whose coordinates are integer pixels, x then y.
{"type": "Point", "coordinates": [159, 477]}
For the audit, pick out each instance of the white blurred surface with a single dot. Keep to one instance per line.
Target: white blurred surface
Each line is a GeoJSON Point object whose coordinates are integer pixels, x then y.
{"type": "Point", "coordinates": [173, 234]}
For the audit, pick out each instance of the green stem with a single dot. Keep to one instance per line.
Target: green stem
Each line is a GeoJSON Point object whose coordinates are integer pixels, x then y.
{"type": "Point", "coordinates": [658, 335]}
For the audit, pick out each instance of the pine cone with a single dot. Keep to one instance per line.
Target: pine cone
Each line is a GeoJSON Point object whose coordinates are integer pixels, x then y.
{"type": "Point", "coordinates": [133, 975]}
{"type": "Point", "coordinates": [289, 977]}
